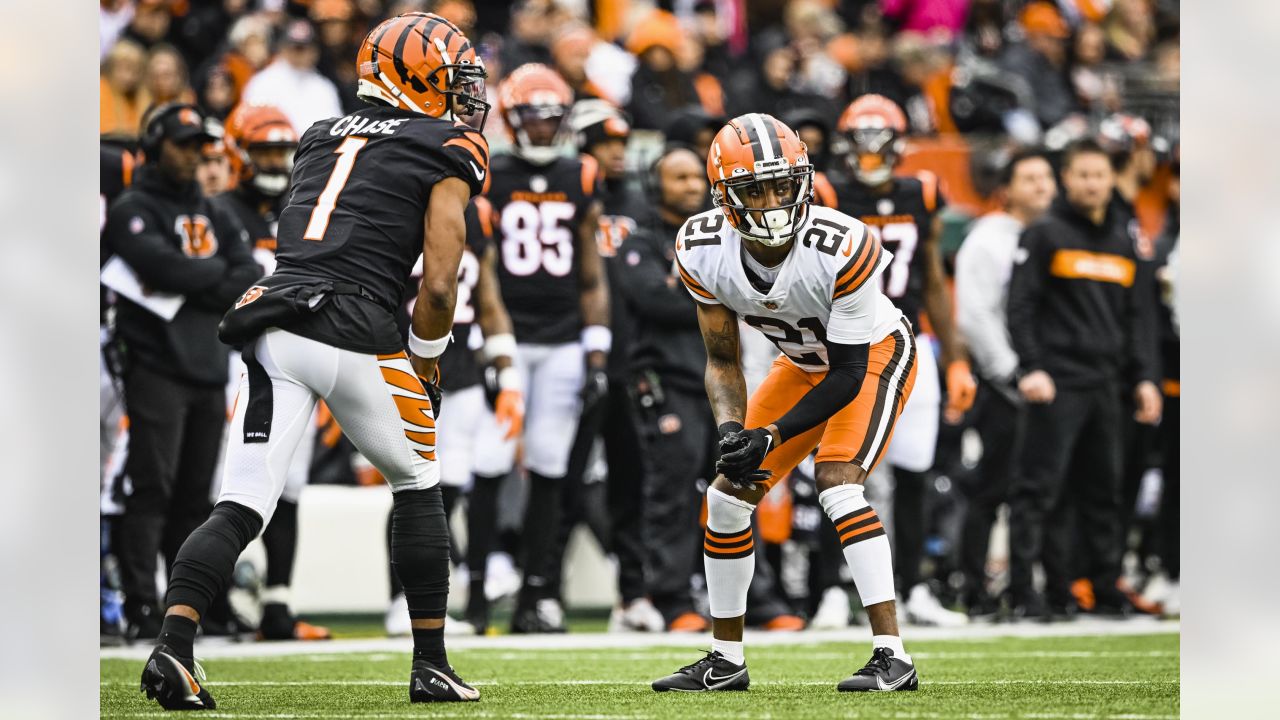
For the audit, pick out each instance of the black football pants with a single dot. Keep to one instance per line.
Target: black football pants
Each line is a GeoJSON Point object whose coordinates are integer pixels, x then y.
{"type": "Point", "coordinates": [1070, 458]}
{"type": "Point", "coordinates": [175, 435]}
{"type": "Point", "coordinates": [998, 421]}
{"type": "Point", "coordinates": [679, 439]}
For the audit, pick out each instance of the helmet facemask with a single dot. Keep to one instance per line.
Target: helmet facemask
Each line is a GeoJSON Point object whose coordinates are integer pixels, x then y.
{"type": "Point", "coordinates": [271, 179]}
{"type": "Point", "coordinates": [770, 205]}
{"type": "Point", "coordinates": [464, 86]}
{"type": "Point", "coordinates": [539, 130]}
{"type": "Point", "coordinates": [873, 153]}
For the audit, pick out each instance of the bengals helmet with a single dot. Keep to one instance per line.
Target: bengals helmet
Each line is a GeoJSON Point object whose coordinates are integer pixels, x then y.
{"type": "Point", "coordinates": [253, 129]}
{"type": "Point", "coordinates": [423, 63]}
{"type": "Point", "coordinates": [534, 102]}
{"type": "Point", "coordinates": [761, 178]}
{"type": "Point", "coordinates": [875, 129]}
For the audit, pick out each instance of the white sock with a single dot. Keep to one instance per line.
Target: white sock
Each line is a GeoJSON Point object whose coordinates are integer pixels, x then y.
{"type": "Point", "coordinates": [730, 649]}
{"type": "Point", "coordinates": [728, 554]}
{"type": "Point", "coordinates": [866, 548]}
{"type": "Point", "coordinates": [894, 643]}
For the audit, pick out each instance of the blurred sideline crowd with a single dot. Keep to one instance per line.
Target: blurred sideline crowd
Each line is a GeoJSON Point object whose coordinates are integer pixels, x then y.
{"type": "Point", "coordinates": [997, 105]}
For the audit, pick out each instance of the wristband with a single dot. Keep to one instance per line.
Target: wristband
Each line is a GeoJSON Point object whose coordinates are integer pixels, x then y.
{"type": "Point", "coordinates": [428, 348]}
{"type": "Point", "coordinates": [727, 427]}
{"type": "Point", "coordinates": [509, 379]}
{"type": "Point", "coordinates": [496, 346]}
{"type": "Point", "coordinates": [597, 337]}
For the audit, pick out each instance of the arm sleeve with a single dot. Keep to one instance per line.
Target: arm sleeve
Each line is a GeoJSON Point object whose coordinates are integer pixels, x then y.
{"type": "Point", "coordinates": [1144, 338]}
{"type": "Point", "coordinates": [980, 308]}
{"type": "Point", "coordinates": [848, 368]}
{"type": "Point", "coordinates": [649, 287]}
{"type": "Point", "coordinates": [1026, 289]}
{"type": "Point", "coordinates": [133, 234]}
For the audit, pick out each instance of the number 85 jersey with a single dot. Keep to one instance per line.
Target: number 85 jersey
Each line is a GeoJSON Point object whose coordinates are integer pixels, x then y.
{"type": "Point", "coordinates": [827, 288]}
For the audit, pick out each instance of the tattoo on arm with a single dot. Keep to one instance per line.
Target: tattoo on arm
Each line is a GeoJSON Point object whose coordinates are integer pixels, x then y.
{"type": "Point", "coordinates": [726, 387]}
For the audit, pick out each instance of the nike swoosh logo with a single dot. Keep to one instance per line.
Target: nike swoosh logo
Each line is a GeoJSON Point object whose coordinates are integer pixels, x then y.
{"type": "Point", "coordinates": [848, 249]}
{"type": "Point", "coordinates": [896, 683]}
{"type": "Point", "coordinates": [479, 173]}
{"type": "Point", "coordinates": [465, 693]}
{"type": "Point", "coordinates": [712, 682]}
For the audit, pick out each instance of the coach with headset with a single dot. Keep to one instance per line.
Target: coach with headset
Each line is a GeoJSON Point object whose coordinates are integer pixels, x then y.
{"type": "Point", "coordinates": [174, 371]}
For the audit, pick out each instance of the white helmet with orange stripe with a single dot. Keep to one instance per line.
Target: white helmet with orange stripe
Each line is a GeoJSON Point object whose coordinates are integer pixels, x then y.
{"type": "Point", "coordinates": [761, 178]}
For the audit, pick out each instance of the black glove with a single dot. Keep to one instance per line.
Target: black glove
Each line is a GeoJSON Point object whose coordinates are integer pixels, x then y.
{"type": "Point", "coordinates": [595, 389]}
{"type": "Point", "coordinates": [491, 389]}
{"type": "Point", "coordinates": [741, 452]}
{"type": "Point", "coordinates": [433, 392]}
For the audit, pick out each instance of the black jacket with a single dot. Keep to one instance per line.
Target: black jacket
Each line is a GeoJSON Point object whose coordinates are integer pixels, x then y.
{"type": "Point", "coordinates": [167, 235]}
{"type": "Point", "coordinates": [666, 337]}
{"type": "Point", "coordinates": [1080, 302]}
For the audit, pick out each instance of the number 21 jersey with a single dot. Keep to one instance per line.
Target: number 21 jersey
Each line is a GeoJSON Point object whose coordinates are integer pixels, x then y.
{"type": "Point", "coordinates": [833, 259]}
{"type": "Point", "coordinates": [539, 209]}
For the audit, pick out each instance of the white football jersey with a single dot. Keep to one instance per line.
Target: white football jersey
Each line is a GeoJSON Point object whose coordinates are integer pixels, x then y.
{"type": "Point", "coordinates": [828, 288]}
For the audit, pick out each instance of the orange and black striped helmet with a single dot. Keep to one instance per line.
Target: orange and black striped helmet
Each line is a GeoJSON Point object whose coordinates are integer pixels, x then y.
{"type": "Point", "coordinates": [875, 129]}
{"type": "Point", "coordinates": [534, 94]}
{"type": "Point", "coordinates": [761, 178]}
{"type": "Point", "coordinates": [423, 63]}
{"type": "Point", "coordinates": [261, 126]}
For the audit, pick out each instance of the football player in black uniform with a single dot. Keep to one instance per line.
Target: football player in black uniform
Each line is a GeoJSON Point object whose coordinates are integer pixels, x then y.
{"type": "Point", "coordinates": [478, 367]}
{"type": "Point", "coordinates": [553, 284]}
{"type": "Point", "coordinates": [371, 192]}
{"type": "Point", "coordinates": [904, 212]}
{"type": "Point", "coordinates": [260, 145]}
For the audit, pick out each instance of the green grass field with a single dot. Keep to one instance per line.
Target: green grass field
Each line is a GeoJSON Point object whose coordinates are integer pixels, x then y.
{"type": "Point", "coordinates": [1119, 677]}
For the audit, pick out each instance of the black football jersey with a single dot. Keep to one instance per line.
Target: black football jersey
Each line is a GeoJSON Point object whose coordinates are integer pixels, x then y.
{"type": "Point", "coordinates": [355, 213]}
{"type": "Point", "coordinates": [539, 209]}
{"type": "Point", "coordinates": [903, 219]}
{"type": "Point", "coordinates": [622, 213]}
{"type": "Point", "coordinates": [245, 203]}
{"type": "Point", "coordinates": [114, 175]}
{"type": "Point", "coordinates": [459, 367]}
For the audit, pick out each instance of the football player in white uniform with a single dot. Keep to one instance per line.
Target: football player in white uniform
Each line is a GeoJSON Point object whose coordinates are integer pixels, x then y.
{"type": "Point", "coordinates": [806, 277]}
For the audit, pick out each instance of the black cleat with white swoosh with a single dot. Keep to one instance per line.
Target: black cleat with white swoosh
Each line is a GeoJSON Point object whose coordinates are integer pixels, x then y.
{"type": "Point", "coordinates": [428, 683]}
{"type": "Point", "coordinates": [712, 672]}
{"type": "Point", "coordinates": [882, 673]}
{"type": "Point", "coordinates": [174, 684]}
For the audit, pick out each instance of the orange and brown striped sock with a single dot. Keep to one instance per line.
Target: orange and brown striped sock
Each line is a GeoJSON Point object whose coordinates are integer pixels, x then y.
{"type": "Point", "coordinates": [863, 539]}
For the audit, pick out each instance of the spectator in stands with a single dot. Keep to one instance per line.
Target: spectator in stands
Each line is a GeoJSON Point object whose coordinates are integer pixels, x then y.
{"type": "Point", "coordinates": [659, 87]}
{"type": "Point", "coordinates": [776, 90]}
{"type": "Point", "coordinates": [533, 24]}
{"type": "Point", "coordinates": [250, 40]}
{"type": "Point", "coordinates": [694, 129]}
{"type": "Point", "coordinates": [122, 97]}
{"type": "Point", "coordinates": [217, 92]}
{"type": "Point", "coordinates": [339, 41]}
{"type": "Point", "coordinates": [1095, 88]}
{"type": "Point", "coordinates": [709, 31]}
{"type": "Point", "coordinates": [150, 24]}
{"type": "Point", "coordinates": [1131, 30]}
{"type": "Point", "coordinates": [983, 267]}
{"type": "Point", "coordinates": [570, 51]}
{"type": "Point", "coordinates": [167, 76]}
{"type": "Point", "coordinates": [1041, 62]}
{"type": "Point", "coordinates": [292, 83]}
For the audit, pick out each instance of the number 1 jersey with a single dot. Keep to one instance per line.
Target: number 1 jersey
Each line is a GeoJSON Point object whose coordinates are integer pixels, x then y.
{"type": "Point", "coordinates": [356, 212]}
{"type": "Point", "coordinates": [829, 281]}
{"type": "Point", "coordinates": [539, 210]}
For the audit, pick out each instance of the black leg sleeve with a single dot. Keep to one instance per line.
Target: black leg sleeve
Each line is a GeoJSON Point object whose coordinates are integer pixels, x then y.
{"type": "Point", "coordinates": [541, 522]}
{"type": "Point", "coordinates": [908, 526]}
{"type": "Point", "coordinates": [280, 540]}
{"type": "Point", "coordinates": [208, 557]}
{"type": "Point", "coordinates": [420, 557]}
{"type": "Point", "coordinates": [482, 526]}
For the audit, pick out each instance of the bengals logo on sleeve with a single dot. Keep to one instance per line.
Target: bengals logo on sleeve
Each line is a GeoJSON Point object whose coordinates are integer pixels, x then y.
{"type": "Point", "coordinates": [196, 234]}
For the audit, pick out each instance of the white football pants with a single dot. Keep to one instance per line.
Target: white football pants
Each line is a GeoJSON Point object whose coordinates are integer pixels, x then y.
{"type": "Point", "coordinates": [915, 438]}
{"type": "Point", "coordinates": [377, 399]}
{"type": "Point", "coordinates": [552, 377]}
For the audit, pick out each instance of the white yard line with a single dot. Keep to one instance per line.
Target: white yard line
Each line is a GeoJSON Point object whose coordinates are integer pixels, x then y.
{"type": "Point", "coordinates": [215, 684]}
{"type": "Point", "coordinates": [849, 715]}
{"type": "Point", "coordinates": [636, 641]}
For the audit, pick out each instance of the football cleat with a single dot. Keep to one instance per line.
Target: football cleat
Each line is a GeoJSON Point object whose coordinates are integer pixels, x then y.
{"type": "Point", "coordinates": [544, 618]}
{"type": "Point", "coordinates": [882, 673]}
{"type": "Point", "coordinates": [171, 683]}
{"type": "Point", "coordinates": [428, 683]}
{"type": "Point", "coordinates": [712, 672]}
{"type": "Point", "coordinates": [833, 610]}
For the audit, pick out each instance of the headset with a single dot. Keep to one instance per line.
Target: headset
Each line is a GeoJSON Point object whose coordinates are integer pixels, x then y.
{"type": "Point", "coordinates": [153, 130]}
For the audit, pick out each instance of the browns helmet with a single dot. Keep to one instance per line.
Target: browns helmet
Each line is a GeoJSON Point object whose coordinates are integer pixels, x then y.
{"type": "Point", "coordinates": [875, 129]}
{"type": "Point", "coordinates": [761, 178]}
{"type": "Point", "coordinates": [534, 102]}
{"type": "Point", "coordinates": [423, 63]}
{"type": "Point", "coordinates": [252, 132]}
